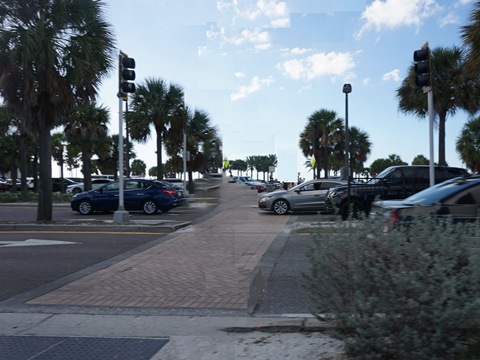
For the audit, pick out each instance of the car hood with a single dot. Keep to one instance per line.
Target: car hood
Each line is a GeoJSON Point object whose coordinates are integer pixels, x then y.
{"type": "Point", "coordinates": [276, 193]}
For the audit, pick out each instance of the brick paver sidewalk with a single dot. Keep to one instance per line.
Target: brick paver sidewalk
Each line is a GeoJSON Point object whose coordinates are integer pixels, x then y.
{"type": "Point", "coordinates": [206, 265]}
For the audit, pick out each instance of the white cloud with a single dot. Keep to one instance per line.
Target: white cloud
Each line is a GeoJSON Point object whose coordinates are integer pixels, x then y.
{"type": "Point", "coordinates": [390, 14]}
{"type": "Point", "coordinates": [258, 37]}
{"type": "Point", "coordinates": [393, 75]}
{"type": "Point", "coordinates": [256, 83]}
{"type": "Point", "coordinates": [318, 65]}
{"type": "Point", "coordinates": [272, 13]}
{"type": "Point", "coordinates": [240, 74]}
{"type": "Point", "coordinates": [450, 18]}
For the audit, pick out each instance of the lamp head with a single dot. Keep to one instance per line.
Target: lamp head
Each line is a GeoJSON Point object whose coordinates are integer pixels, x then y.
{"type": "Point", "coordinates": [347, 88]}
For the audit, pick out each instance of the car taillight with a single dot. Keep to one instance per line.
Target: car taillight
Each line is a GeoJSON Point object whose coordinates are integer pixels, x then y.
{"type": "Point", "coordinates": [394, 217]}
{"type": "Point", "coordinates": [169, 192]}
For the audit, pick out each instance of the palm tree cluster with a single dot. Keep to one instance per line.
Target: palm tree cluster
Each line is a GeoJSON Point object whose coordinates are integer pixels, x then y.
{"type": "Point", "coordinates": [53, 56]}
{"type": "Point", "coordinates": [323, 143]}
{"type": "Point", "coordinates": [259, 163]}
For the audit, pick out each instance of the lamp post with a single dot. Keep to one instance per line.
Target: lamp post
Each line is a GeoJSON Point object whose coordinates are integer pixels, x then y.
{"type": "Point", "coordinates": [347, 89]}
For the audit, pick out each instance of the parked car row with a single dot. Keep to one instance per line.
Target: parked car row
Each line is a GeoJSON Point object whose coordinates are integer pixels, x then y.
{"type": "Point", "coordinates": [456, 195]}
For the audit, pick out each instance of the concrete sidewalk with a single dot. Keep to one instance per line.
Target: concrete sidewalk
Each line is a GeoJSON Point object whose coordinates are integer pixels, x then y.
{"type": "Point", "coordinates": [197, 289]}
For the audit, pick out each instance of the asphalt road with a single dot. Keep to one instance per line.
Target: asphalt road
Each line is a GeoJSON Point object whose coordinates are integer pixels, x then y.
{"type": "Point", "coordinates": [29, 260]}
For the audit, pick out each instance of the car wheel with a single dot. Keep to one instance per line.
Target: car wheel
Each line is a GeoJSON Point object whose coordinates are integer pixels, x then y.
{"type": "Point", "coordinates": [280, 207]}
{"type": "Point", "coordinates": [150, 207]}
{"type": "Point", "coordinates": [76, 191]}
{"type": "Point", "coordinates": [85, 207]}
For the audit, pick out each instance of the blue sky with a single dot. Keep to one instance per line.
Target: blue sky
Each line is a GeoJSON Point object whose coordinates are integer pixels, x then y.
{"type": "Point", "coordinates": [260, 68]}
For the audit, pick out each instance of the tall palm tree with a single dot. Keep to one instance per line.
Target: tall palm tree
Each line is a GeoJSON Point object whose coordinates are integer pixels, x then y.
{"type": "Point", "coordinates": [359, 149]}
{"type": "Point", "coordinates": [468, 144]}
{"type": "Point", "coordinates": [453, 89]}
{"type": "Point", "coordinates": [58, 51]}
{"type": "Point", "coordinates": [322, 132]}
{"type": "Point", "coordinates": [87, 129]}
{"type": "Point", "coordinates": [154, 104]}
{"type": "Point", "coordinates": [203, 143]}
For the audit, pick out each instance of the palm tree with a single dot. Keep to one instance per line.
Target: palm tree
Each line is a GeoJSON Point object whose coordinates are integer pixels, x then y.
{"type": "Point", "coordinates": [322, 132]}
{"type": "Point", "coordinates": [87, 129]}
{"type": "Point", "coordinates": [202, 141]}
{"type": "Point", "coordinates": [58, 51]}
{"type": "Point", "coordinates": [359, 149]}
{"type": "Point", "coordinates": [154, 104]}
{"type": "Point", "coordinates": [453, 89]}
{"type": "Point", "coordinates": [420, 160]}
{"type": "Point", "coordinates": [471, 39]}
{"type": "Point", "coordinates": [468, 144]}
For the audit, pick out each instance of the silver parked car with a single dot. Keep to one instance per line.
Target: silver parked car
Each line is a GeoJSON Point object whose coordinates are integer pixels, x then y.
{"type": "Point", "coordinates": [307, 196]}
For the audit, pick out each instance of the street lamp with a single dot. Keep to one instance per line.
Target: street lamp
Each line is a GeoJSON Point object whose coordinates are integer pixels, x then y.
{"type": "Point", "coordinates": [347, 89]}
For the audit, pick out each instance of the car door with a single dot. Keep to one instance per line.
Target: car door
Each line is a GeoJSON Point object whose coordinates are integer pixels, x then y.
{"type": "Point", "coordinates": [309, 197]}
{"type": "Point", "coordinates": [106, 198]}
{"type": "Point", "coordinates": [135, 193]}
{"type": "Point", "coordinates": [463, 206]}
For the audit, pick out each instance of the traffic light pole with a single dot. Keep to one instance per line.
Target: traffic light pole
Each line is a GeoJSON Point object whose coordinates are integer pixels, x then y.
{"type": "Point", "coordinates": [430, 132]}
{"type": "Point", "coordinates": [125, 86]}
{"type": "Point", "coordinates": [423, 79]}
{"type": "Point", "coordinates": [120, 216]}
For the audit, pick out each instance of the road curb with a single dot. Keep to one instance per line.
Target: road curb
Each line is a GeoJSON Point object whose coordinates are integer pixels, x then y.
{"type": "Point", "coordinates": [97, 227]}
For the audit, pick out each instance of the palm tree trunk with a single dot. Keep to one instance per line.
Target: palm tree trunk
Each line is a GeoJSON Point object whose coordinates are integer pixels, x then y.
{"type": "Point", "coordinates": [86, 168]}
{"type": "Point", "coordinates": [159, 156]}
{"type": "Point", "coordinates": [441, 139]}
{"type": "Point", "coordinates": [44, 209]}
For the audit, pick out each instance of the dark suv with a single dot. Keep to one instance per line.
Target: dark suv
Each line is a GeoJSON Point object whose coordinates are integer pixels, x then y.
{"type": "Point", "coordinates": [395, 182]}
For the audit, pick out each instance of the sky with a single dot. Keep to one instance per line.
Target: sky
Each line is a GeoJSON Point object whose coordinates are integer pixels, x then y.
{"type": "Point", "coordinates": [260, 68]}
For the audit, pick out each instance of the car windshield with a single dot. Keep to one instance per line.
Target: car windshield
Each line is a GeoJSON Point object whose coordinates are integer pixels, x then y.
{"type": "Point", "coordinates": [377, 179]}
{"type": "Point", "coordinates": [435, 194]}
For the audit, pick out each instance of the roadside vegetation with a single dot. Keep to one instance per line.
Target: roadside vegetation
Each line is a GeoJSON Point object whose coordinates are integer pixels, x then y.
{"type": "Point", "coordinates": [411, 293]}
{"type": "Point", "coordinates": [31, 196]}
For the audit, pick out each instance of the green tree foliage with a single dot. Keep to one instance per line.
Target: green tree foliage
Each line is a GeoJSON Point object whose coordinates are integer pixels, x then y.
{"type": "Point", "coordinates": [87, 130]}
{"type": "Point", "coordinates": [468, 144]}
{"type": "Point", "coordinates": [420, 160]}
{"type": "Point", "coordinates": [320, 138]}
{"type": "Point", "coordinates": [138, 167]}
{"type": "Point", "coordinates": [155, 104]}
{"type": "Point", "coordinates": [381, 164]}
{"type": "Point", "coordinates": [53, 54]}
{"type": "Point", "coordinates": [411, 293]}
{"type": "Point", "coordinates": [453, 89]}
{"type": "Point", "coordinates": [359, 149]}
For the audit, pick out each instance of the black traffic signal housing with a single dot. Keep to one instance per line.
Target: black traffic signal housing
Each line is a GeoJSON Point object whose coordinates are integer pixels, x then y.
{"type": "Point", "coordinates": [126, 75]}
{"type": "Point", "coordinates": [423, 76]}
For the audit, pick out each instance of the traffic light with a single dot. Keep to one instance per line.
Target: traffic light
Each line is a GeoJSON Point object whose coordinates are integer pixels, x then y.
{"type": "Point", "coordinates": [423, 77]}
{"type": "Point", "coordinates": [126, 75]}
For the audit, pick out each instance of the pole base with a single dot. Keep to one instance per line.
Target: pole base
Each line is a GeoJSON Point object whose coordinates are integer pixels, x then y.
{"type": "Point", "coordinates": [121, 217]}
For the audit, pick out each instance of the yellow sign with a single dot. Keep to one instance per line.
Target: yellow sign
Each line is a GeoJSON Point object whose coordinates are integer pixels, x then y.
{"type": "Point", "coordinates": [313, 161]}
{"type": "Point", "coordinates": [226, 163]}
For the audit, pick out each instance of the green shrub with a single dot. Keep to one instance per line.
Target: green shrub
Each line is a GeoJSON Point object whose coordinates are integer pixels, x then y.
{"type": "Point", "coordinates": [10, 197]}
{"type": "Point", "coordinates": [411, 293]}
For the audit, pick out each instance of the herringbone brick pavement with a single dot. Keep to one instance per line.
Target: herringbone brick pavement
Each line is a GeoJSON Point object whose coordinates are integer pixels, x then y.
{"type": "Point", "coordinates": [207, 265]}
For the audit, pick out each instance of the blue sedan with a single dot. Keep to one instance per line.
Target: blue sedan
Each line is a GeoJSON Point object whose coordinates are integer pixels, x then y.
{"type": "Point", "coordinates": [145, 195]}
